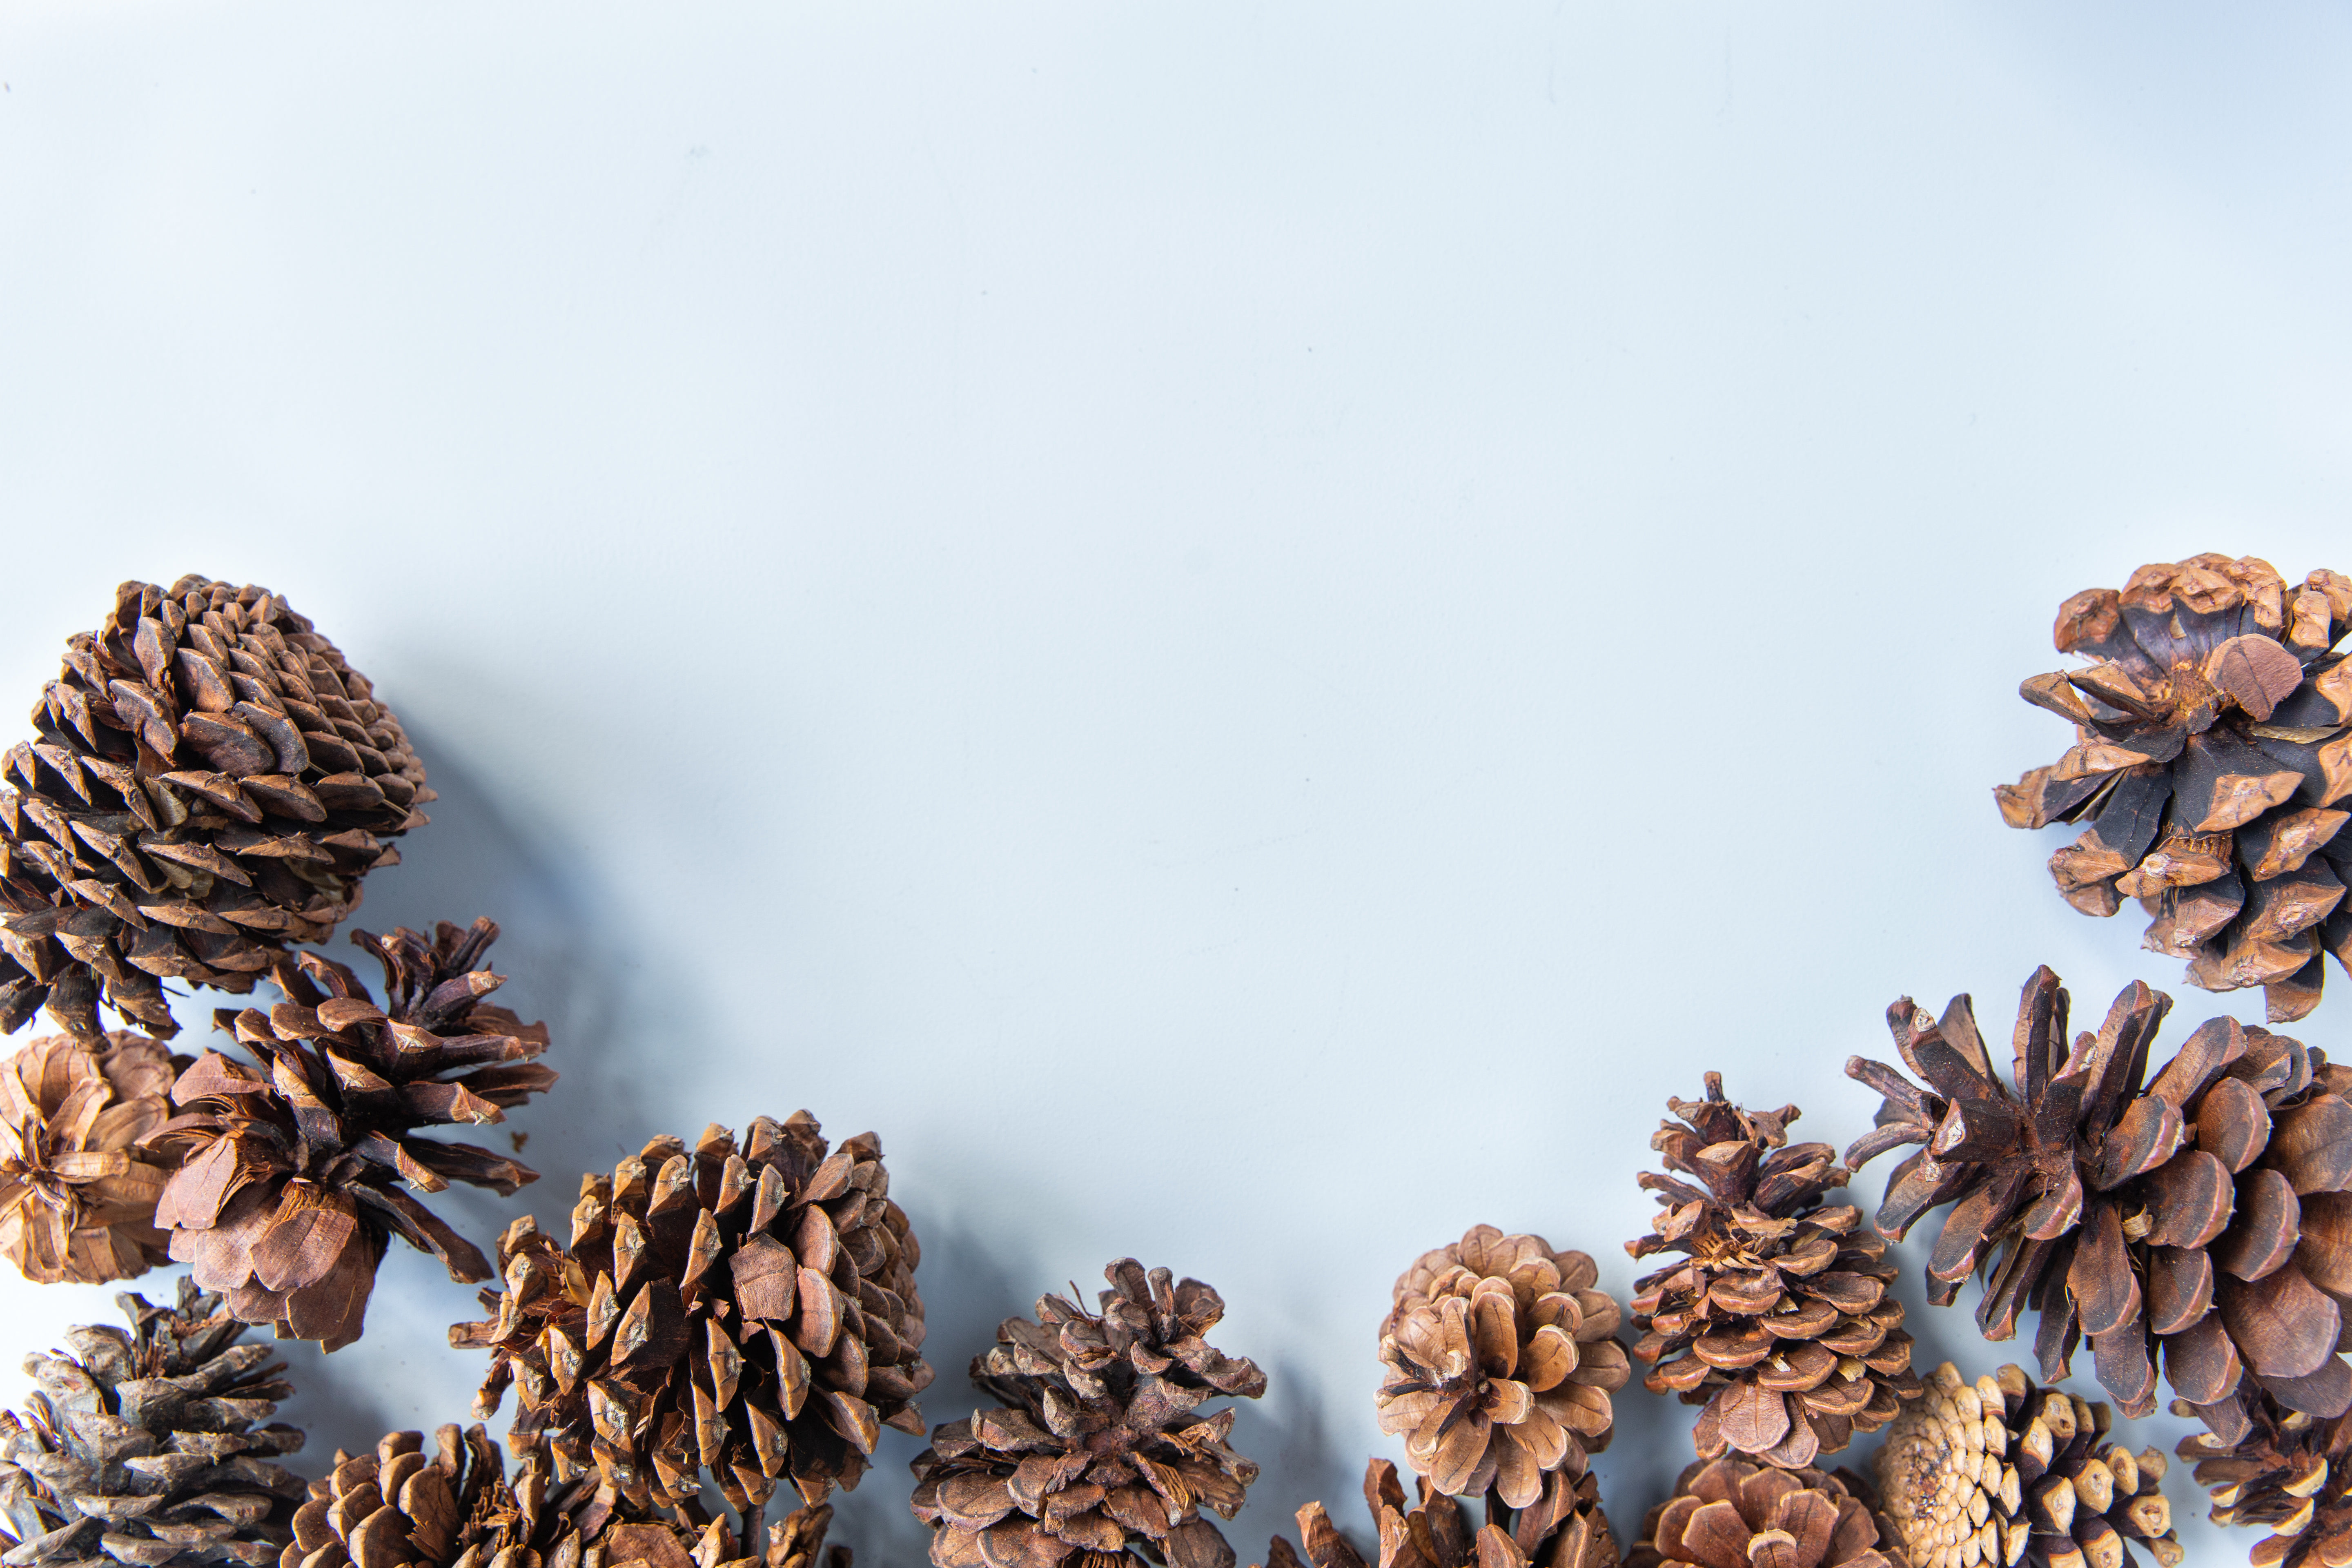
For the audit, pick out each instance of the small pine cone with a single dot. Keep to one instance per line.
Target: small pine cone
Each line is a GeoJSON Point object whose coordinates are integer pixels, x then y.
{"type": "Point", "coordinates": [1096, 1458]}
{"type": "Point", "coordinates": [2005, 1473]}
{"type": "Point", "coordinates": [2213, 730]}
{"type": "Point", "coordinates": [141, 1448]}
{"type": "Point", "coordinates": [1777, 1317]}
{"type": "Point", "coordinates": [1727, 1512]}
{"type": "Point", "coordinates": [2290, 1475]}
{"type": "Point", "coordinates": [76, 1193]}
{"type": "Point", "coordinates": [752, 1313]}
{"type": "Point", "coordinates": [1566, 1529]}
{"type": "Point", "coordinates": [211, 783]}
{"type": "Point", "coordinates": [290, 1173]}
{"type": "Point", "coordinates": [1500, 1364]}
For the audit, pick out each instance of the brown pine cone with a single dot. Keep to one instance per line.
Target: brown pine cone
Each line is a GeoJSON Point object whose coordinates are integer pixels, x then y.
{"type": "Point", "coordinates": [2211, 743]}
{"type": "Point", "coordinates": [211, 783]}
{"type": "Point", "coordinates": [1095, 1458]}
{"type": "Point", "coordinates": [1777, 1317]}
{"type": "Point", "coordinates": [141, 1448]}
{"type": "Point", "coordinates": [2207, 1211]}
{"type": "Point", "coordinates": [1567, 1529]}
{"type": "Point", "coordinates": [2002, 1472]}
{"type": "Point", "coordinates": [2291, 1475]}
{"type": "Point", "coordinates": [285, 1195]}
{"type": "Point", "coordinates": [749, 1313]}
{"type": "Point", "coordinates": [1500, 1364]}
{"type": "Point", "coordinates": [76, 1193]}
{"type": "Point", "coordinates": [1727, 1513]}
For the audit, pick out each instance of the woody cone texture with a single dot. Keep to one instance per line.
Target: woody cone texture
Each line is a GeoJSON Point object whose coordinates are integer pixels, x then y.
{"type": "Point", "coordinates": [76, 1191]}
{"type": "Point", "coordinates": [1098, 1455]}
{"type": "Point", "coordinates": [744, 1309]}
{"type": "Point", "coordinates": [143, 1447]}
{"type": "Point", "coordinates": [1776, 1317]}
{"type": "Point", "coordinates": [1500, 1362]}
{"type": "Point", "coordinates": [209, 782]}
{"type": "Point", "coordinates": [2212, 749]}
{"type": "Point", "coordinates": [2289, 1477]}
{"type": "Point", "coordinates": [293, 1170]}
{"type": "Point", "coordinates": [2202, 1216]}
{"type": "Point", "coordinates": [1728, 1513]}
{"type": "Point", "coordinates": [1566, 1530]}
{"type": "Point", "coordinates": [2004, 1473]}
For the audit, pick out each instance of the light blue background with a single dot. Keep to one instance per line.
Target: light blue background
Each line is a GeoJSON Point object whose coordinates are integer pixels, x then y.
{"type": "Point", "coordinates": [1251, 629]}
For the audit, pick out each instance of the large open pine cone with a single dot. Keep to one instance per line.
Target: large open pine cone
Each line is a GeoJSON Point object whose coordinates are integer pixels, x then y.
{"type": "Point", "coordinates": [750, 1311]}
{"type": "Point", "coordinates": [1566, 1529]}
{"type": "Point", "coordinates": [1501, 1363]}
{"type": "Point", "coordinates": [211, 782]}
{"type": "Point", "coordinates": [76, 1193]}
{"type": "Point", "coordinates": [1777, 1319]}
{"type": "Point", "coordinates": [142, 1449]}
{"type": "Point", "coordinates": [2291, 1475]}
{"type": "Point", "coordinates": [2209, 1212]}
{"type": "Point", "coordinates": [291, 1172]}
{"type": "Point", "coordinates": [1096, 1456]}
{"type": "Point", "coordinates": [2003, 1473]}
{"type": "Point", "coordinates": [1728, 1513]}
{"type": "Point", "coordinates": [2211, 745]}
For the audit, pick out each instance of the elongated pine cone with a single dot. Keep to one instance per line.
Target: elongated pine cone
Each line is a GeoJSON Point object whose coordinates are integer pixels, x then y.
{"type": "Point", "coordinates": [2211, 745]}
{"type": "Point", "coordinates": [291, 1172]}
{"type": "Point", "coordinates": [2004, 1473]}
{"type": "Point", "coordinates": [1501, 1363]}
{"type": "Point", "coordinates": [1777, 1319]}
{"type": "Point", "coordinates": [1097, 1457]}
{"type": "Point", "coordinates": [210, 783]}
{"type": "Point", "coordinates": [142, 1449]}
{"type": "Point", "coordinates": [1728, 1513]}
{"type": "Point", "coordinates": [2291, 1476]}
{"type": "Point", "coordinates": [749, 1311]}
{"type": "Point", "coordinates": [76, 1193]}
{"type": "Point", "coordinates": [1566, 1529]}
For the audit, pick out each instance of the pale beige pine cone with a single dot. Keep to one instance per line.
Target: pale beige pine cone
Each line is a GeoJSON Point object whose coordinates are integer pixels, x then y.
{"type": "Point", "coordinates": [76, 1191]}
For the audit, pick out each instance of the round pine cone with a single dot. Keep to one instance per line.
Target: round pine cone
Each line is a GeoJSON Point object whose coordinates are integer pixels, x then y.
{"type": "Point", "coordinates": [2211, 743]}
{"type": "Point", "coordinates": [2210, 1210]}
{"type": "Point", "coordinates": [76, 1193]}
{"type": "Point", "coordinates": [1777, 1319]}
{"type": "Point", "coordinates": [211, 782]}
{"type": "Point", "coordinates": [750, 1312]}
{"type": "Point", "coordinates": [2290, 1475]}
{"type": "Point", "coordinates": [141, 1448]}
{"type": "Point", "coordinates": [1567, 1529]}
{"type": "Point", "coordinates": [1500, 1364]}
{"type": "Point", "coordinates": [288, 1183]}
{"type": "Point", "coordinates": [1727, 1513]}
{"type": "Point", "coordinates": [1095, 1458]}
{"type": "Point", "coordinates": [2005, 1473]}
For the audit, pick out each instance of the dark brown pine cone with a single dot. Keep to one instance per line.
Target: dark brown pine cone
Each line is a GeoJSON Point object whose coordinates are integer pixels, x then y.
{"type": "Point", "coordinates": [210, 783]}
{"type": "Point", "coordinates": [2207, 1211]}
{"type": "Point", "coordinates": [1096, 1457]}
{"type": "Point", "coordinates": [1777, 1319]}
{"type": "Point", "coordinates": [1727, 1513]}
{"type": "Point", "coordinates": [1501, 1363]}
{"type": "Point", "coordinates": [76, 1193]}
{"type": "Point", "coordinates": [288, 1185]}
{"type": "Point", "coordinates": [141, 1448]}
{"type": "Point", "coordinates": [1566, 1529]}
{"type": "Point", "coordinates": [2002, 1472]}
{"type": "Point", "coordinates": [2211, 745]}
{"type": "Point", "coordinates": [750, 1312]}
{"type": "Point", "coordinates": [2290, 1475]}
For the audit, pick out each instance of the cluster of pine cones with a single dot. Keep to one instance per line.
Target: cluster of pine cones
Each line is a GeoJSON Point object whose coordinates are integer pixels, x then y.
{"type": "Point", "coordinates": [212, 782]}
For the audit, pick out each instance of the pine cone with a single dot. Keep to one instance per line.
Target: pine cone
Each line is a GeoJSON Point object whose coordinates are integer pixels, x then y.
{"type": "Point", "coordinates": [1778, 1319]}
{"type": "Point", "coordinates": [211, 782]}
{"type": "Point", "coordinates": [285, 1195]}
{"type": "Point", "coordinates": [2005, 1473]}
{"type": "Point", "coordinates": [2208, 1212]}
{"type": "Point", "coordinates": [1096, 1457]}
{"type": "Point", "coordinates": [76, 1193]}
{"type": "Point", "coordinates": [2291, 1475]}
{"type": "Point", "coordinates": [141, 1448]}
{"type": "Point", "coordinates": [1567, 1529]}
{"type": "Point", "coordinates": [1727, 1512]}
{"type": "Point", "coordinates": [1500, 1364]}
{"type": "Point", "coordinates": [2212, 743]}
{"type": "Point", "coordinates": [752, 1313]}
